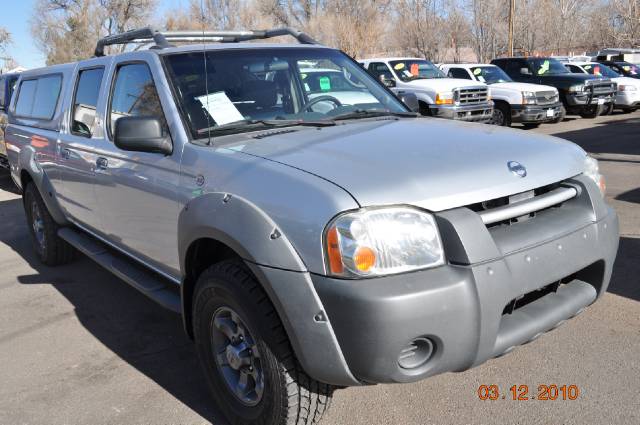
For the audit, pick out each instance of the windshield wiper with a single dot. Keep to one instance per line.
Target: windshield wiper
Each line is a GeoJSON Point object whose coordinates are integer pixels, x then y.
{"type": "Point", "coordinates": [243, 126]}
{"type": "Point", "coordinates": [370, 113]}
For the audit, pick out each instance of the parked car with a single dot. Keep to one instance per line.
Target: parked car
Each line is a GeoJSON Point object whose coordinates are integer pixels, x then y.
{"type": "Point", "coordinates": [529, 104]}
{"type": "Point", "coordinates": [438, 95]}
{"type": "Point", "coordinates": [306, 249]}
{"type": "Point", "coordinates": [628, 95]}
{"type": "Point", "coordinates": [7, 83]}
{"type": "Point", "coordinates": [625, 69]}
{"type": "Point", "coordinates": [585, 95]}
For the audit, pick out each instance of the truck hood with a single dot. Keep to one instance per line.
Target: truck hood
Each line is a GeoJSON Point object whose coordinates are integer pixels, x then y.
{"type": "Point", "coordinates": [522, 87]}
{"type": "Point", "coordinates": [432, 163]}
{"type": "Point", "coordinates": [626, 81]}
{"type": "Point", "coordinates": [443, 84]}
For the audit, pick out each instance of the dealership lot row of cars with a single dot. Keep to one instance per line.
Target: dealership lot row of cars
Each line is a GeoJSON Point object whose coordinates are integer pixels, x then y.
{"type": "Point", "coordinates": [286, 204]}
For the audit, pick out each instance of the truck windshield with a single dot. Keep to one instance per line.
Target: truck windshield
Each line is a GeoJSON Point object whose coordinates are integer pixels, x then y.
{"type": "Point", "coordinates": [600, 70]}
{"type": "Point", "coordinates": [236, 90]}
{"type": "Point", "coordinates": [415, 69]}
{"type": "Point", "coordinates": [490, 74]}
{"type": "Point", "coordinates": [547, 66]}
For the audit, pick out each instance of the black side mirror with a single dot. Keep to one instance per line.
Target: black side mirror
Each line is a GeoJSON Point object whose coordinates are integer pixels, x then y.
{"type": "Point", "coordinates": [141, 134]}
{"type": "Point", "coordinates": [410, 100]}
{"type": "Point", "coordinates": [389, 82]}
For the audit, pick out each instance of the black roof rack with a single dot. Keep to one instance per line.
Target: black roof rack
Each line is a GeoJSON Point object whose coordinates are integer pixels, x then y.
{"type": "Point", "coordinates": [162, 39]}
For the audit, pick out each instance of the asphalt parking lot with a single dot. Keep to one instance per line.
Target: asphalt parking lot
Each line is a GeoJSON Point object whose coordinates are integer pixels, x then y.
{"type": "Point", "coordinates": [78, 346]}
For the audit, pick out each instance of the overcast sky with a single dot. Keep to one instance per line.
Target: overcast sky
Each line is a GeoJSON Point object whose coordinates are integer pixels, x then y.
{"type": "Point", "coordinates": [15, 16]}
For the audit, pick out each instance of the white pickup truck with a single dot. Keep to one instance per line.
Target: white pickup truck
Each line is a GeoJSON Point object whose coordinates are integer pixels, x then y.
{"type": "Point", "coordinates": [438, 95]}
{"type": "Point", "coordinates": [529, 104]}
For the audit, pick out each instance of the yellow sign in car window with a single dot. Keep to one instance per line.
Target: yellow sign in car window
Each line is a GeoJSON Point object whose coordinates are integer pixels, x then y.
{"type": "Point", "coordinates": [544, 67]}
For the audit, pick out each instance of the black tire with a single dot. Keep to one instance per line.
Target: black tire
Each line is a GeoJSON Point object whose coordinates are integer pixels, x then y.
{"type": "Point", "coordinates": [501, 115]}
{"type": "Point", "coordinates": [608, 109]}
{"type": "Point", "coordinates": [287, 395]}
{"type": "Point", "coordinates": [591, 111]}
{"type": "Point", "coordinates": [627, 110]}
{"type": "Point", "coordinates": [531, 125]}
{"type": "Point", "coordinates": [51, 250]}
{"type": "Point", "coordinates": [424, 109]}
{"type": "Point", "coordinates": [563, 114]}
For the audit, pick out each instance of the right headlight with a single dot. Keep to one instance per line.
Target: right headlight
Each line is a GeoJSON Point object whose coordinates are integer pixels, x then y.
{"type": "Point", "coordinates": [592, 170]}
{"type": "Point", "coordinates": [382, 241]}
{"type": "Point", "coordinates": [627, 87]}
{"type": "Point", "coordinates": [577, 88]}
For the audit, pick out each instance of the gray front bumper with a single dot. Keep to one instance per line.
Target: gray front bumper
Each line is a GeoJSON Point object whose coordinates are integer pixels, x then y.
{"type": "Point", "coordinates": [461, 306]}
{"type": "Point", "coordinates": [478, 113]}
{"type": "Point", "coordinates": [535, 113]}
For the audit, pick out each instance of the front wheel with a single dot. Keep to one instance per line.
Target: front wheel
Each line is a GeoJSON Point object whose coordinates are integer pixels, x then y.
{"type": "Point", "coordinates": [531, 125]}
{"type": "Point", "coordinates": [591, 111]}
{"type": "Point", "coordinates": [246, 356]}
{"type": "Point", "coordinates": [501, 115]}
{"type": "Point", "coordinates": [561, 116]}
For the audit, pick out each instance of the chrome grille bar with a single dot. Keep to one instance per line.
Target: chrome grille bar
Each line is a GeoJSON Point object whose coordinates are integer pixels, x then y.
{"type": "Point", "coordinates": [549, 199]}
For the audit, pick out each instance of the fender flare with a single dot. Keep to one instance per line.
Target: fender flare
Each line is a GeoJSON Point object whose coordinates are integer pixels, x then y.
{"type": "Point", "coordinates": [28, 164]}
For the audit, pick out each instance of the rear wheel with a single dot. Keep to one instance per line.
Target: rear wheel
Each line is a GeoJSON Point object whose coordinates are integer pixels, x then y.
{"type": "Point", "coordinates": [51, 250]}
{"type": "Point", "coordinates": [246, 356]}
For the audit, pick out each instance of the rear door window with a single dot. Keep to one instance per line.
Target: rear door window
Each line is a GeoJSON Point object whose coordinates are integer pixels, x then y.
{"type": "Point", "coordinates": [24, 105]}
{"type": "Point", "coordinates": [37, 98]}
{"type": "Point", "coordinates": [459, 73]}
{"type": "Point", "coordinates": [85, 102]}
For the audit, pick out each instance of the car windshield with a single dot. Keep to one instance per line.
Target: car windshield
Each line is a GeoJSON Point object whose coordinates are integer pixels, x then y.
{"type": "Point", "coordinates": [237, 90]}
{"type": "Point", "coordinates": [490, 74]}
{"type": "Point", "coordinates": [630, 69]}
{"type": "Point", "coordinates": [415, 69]}
{"type": "Point", "coordinates": [600, 70]}
{"type": "Point", "coordinates": [547, 66]}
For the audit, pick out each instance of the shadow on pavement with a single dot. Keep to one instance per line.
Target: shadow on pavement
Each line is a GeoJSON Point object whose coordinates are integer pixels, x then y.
{"type": "Point", "coordinates": [616, 136]}
{"type": "Point", "coordinates": [625, 281]}
{"type": "Point", "coordinates": [632, 195]}
{"type": "Point", "coordinates": [143, 334]}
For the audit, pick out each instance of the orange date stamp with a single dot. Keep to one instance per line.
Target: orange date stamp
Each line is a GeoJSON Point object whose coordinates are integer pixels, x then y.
{"type": "Point", "coordinates": [522, 392]}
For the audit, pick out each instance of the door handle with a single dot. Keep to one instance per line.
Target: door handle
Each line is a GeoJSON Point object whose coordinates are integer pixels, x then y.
{"type": "Point", "coordinates": [102, 163]}
{"type": "Point", "coordinates": [65, 153]}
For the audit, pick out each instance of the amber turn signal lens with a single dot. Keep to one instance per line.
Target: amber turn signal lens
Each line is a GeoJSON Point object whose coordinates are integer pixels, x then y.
{"type": "Point", "coordinates": [364, 259]}
{"type": "Point", "coordinates": [603, 185]}
{"type": "Point", "coordinates": [443, 101]}
{"type": "Point", "coordinates": [333, 252]}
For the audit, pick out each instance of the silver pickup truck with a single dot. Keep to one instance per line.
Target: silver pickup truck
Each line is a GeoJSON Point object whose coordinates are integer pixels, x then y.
{"type": "Point", "coordinates": [310, 240]}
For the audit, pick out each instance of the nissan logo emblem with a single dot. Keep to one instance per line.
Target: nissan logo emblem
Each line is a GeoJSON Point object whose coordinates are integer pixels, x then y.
{"type": "Point", "coordinates": [517, 169]}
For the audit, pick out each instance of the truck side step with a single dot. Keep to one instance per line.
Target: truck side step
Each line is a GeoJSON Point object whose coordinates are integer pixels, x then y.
{"type": "Point", "coordinates": [152, 285]}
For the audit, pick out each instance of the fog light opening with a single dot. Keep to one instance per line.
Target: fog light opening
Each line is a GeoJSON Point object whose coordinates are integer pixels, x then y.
{"type": "Point", "coordinates": [416, 353]}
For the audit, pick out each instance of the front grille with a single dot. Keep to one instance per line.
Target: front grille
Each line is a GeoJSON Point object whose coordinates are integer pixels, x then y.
{"type": "Point", "coordinates": [546, 97]}
{"type": "Point", "coordinates": [523, 206]}
{"type": "Point", "coordinates": [601, 87]}
{"type": "Point", "coordinates": [471, 96]}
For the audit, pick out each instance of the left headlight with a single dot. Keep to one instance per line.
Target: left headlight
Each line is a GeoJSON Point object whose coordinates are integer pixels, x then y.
{"type": "Point", "coordinates": [382, 241]}
{"type": "Point", "coordinates": [592, 170]}
{"type": "Point", "coordinates": [528, 98]}
{"type": "Point", "coordinates": [627, 87]}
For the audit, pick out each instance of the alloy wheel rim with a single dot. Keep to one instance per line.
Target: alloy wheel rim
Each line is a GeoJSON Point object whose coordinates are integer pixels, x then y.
{"type": "Point", "coordinates": [237, 356]}
{"type": "Point", "coordinates": [37, 224]}
{"type": "Point", "coordinates": [498, 117]}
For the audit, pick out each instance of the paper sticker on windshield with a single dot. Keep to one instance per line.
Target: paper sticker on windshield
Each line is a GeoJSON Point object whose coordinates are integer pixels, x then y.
{"type": "Point", "coordinates": [480, 78]}
{"type": "Point", "coordinates": [407, 73]}
{"type": "Point", "coordinates": [587, 67]}
{"type": "Point", "coordinates": [626, 68]}
{"type": "Point", "coordinates": [398, 66]}
{"type": "Point", "coordinates": [325, 83]}
{"type": "Point", "coordinates": [220, 107]}
{"type": "Point", "coordinates": [415, 69]}
{"type": "Point", "coordinates": [544, 67]}
{"type": "Point", "coordinates": [477, 71]}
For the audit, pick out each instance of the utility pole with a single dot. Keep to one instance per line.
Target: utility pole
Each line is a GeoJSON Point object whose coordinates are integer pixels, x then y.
{"type": "Point", "coordinates": [512, 11]}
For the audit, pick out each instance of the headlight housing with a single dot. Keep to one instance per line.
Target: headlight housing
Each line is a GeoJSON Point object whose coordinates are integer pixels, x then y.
{"type": "Point", "coordinates": [577, 88]}
{"type": "Point", "coordinates": [627, 87]}
{"type": "Point", "coordinates": [382, 241]}
{"type": "Point", "coordinates": [444, 98]}
{"type": "Point", "coordinates": [528, 98]}
{"type": "Point", "coordinates": [592, 170]}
